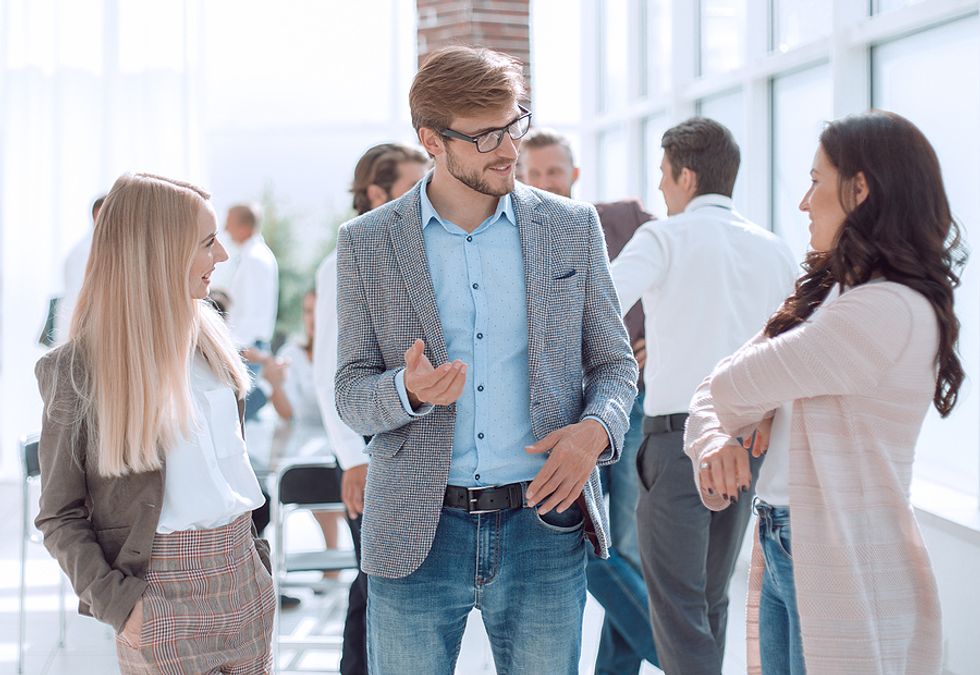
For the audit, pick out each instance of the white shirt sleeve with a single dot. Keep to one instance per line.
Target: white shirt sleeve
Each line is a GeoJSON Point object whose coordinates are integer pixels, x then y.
{"type": "Point", "coordinates": [640, 266]}
{"type": "Point", "coordinates": [348, 445]}
{"type": "Point", "coordinates": [254, 291]}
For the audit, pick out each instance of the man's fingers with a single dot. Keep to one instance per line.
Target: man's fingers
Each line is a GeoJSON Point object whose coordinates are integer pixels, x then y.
{"type": "Point", "coordinates": [543, 484]}
{"type": "Point", "coordinates": [437, 394]}
{"type": "Point", "coordinates": [412, 354]}
{"type": "Point", "coordinates": [557, 497]}
{"type": "Point", "coordinates": [545, 444]}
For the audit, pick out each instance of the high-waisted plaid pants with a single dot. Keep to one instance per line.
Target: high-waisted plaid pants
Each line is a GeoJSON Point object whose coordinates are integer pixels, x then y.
{"type": "Point", "coordinates": [208, 608]}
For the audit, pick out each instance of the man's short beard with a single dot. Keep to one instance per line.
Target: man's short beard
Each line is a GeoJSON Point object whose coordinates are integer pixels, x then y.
{"type": "Point", "coordinates": [474, 181]}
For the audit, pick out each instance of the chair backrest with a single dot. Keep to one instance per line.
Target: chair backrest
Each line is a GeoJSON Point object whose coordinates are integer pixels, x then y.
{"type": "Point", "coordinates": [32, 466]}
{"type": "Point", "coordinates": [310, 484]}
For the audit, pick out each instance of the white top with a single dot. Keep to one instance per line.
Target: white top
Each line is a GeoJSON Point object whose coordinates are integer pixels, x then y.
{"type": "Point", "coordinates": [250, 277]}
{"type": "Point", "coordinates": [773, 483]}
{"type": "Point", "coordinates": [75, 264]}
{"type": "Point", "coordinates": [708, 279]}
{"type": "Point", "coordinates": [348, 445]}
{"type": "Point", "coordinates": [298, 386]}
{"type": "Point", "coordinates": [209, 481]}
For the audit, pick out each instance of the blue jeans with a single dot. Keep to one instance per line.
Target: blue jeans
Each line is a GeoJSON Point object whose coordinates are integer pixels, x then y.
{"type": "Point", "coordinates": [627, 638]}
{"type": "Point", "coordinates": [780, 642]}
{"type": "Point", "coordinates": [524, 572]}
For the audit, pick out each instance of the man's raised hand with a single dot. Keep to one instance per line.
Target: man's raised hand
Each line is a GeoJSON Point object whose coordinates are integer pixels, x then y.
{"type": "Point", "coordinates": [425, 384]}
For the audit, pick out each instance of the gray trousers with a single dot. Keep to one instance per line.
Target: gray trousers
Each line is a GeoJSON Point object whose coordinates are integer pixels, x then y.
{"type": "Point", "coordinates": [688, 555]}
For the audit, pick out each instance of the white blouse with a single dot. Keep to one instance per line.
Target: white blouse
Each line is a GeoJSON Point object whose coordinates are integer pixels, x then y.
{"type": "Point", "coordinates": [209, 481]}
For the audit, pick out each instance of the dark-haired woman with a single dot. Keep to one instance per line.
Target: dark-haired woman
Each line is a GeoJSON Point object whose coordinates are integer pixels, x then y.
{"type": "Point", "coordinates": [837, 386]}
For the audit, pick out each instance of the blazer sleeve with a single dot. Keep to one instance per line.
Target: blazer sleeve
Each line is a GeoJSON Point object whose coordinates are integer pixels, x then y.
{"type": "Point", "coordinates": [845, 348]}
{"type": "Point", "coordinates": [64, 515]}
{"type": "Point", "coordinates": [366, 394]}
{"type": "Point", "coordinates": [610, 371]}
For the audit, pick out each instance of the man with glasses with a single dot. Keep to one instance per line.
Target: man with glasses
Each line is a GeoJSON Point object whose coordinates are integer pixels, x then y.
{"type": "Point", "coordinates": [484, 351]}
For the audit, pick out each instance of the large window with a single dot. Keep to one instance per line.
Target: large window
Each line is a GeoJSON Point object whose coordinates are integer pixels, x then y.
{"type": "Point", "coordinates": [801, 103]}
{"type": "Point", "coordinates": [612, 171]}
{"type": "Point", "coordinates": [728, 108]}
{"type": "Point", "coordinates": [913, 76]}
{"type": "Point", "coordinates": [722, 35]}
{"type": "Point", "coordinates": [774, 72]}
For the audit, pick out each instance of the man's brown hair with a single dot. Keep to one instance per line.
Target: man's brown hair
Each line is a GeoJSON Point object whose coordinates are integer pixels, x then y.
{"type": "Point", "coordinates": [460, 81]}
{"type": "Point", "coordinates": [380, 166]}
{"type": "Point", "coordinates": [707, 148]}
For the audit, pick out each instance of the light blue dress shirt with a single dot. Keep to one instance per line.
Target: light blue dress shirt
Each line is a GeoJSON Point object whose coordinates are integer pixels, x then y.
{"type": "Point", "coordinates": [479, 286]}
{"type": "Point", "coordinates": [480, 290]}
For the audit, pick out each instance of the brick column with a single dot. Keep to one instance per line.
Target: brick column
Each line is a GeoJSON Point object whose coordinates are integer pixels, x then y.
{"type": "Point", "coordinates": [501, 25]}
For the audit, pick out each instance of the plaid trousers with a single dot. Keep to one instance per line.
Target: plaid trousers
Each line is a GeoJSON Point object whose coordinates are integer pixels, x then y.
{"type": "Point", "coordinates": [208, 608]}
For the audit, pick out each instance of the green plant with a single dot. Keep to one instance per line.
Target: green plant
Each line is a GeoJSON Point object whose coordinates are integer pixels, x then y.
{"type": "Point", "coordinates": [298, 258]}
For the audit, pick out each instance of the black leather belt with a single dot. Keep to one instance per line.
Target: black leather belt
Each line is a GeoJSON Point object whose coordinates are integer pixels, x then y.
{"type": "Point", "coordinates": [662, 424]}
{"type": "Point", "coordinates": [485, 499]}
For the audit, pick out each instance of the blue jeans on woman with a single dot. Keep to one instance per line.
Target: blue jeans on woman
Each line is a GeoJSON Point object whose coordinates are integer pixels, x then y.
{"type": "Point", "coordinates": [524, 572]}
{"type": "Point", "coordinates": [780, 641]}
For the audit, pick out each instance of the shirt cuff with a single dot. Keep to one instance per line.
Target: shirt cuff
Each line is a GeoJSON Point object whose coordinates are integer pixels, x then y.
{"type": "Point", "coordinates": [425, 409]}
{"type": "Point", "coordinates": [593, 417]}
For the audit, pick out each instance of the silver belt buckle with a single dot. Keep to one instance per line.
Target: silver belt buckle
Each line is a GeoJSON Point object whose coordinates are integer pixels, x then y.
{"type": "Point", "coordinates": [472, 500]}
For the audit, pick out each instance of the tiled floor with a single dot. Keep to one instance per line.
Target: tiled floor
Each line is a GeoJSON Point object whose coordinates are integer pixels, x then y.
{"type": "Point", "coordinates": [89, 648]}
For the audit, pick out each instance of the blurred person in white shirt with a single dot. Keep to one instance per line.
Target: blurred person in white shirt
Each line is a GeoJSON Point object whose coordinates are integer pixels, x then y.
{"type": "Point", "coordinates": [250, 278]}
{"type": "Point", "coordinates": [383, 173]}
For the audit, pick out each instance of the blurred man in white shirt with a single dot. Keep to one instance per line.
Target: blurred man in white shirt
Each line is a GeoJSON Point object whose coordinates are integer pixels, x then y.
{"type": "Point", "coordinates": [708, 279]}
{"type": "Point", "coordinates": [250, 278]}
{"type": "Point", "coordinates": [384, 172]}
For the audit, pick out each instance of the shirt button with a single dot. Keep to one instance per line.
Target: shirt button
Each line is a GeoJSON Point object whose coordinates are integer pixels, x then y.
{"type": "Point", "coordinates": [479, 336]}
{"type": "Point", "coordinates": [480, 388]}
{"type": "Point", "coordinates": [476, 286]}
{"type": "Point", "coordinates": [469, 239]}
{"type": "Point", "coordinates": [480, 435]}
{"type": "Point", "coordinates": [477, 476]}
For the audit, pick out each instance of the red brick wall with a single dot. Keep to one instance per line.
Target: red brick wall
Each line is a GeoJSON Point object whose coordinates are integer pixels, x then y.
{"type": "Point", "coordinates": [501, 25]}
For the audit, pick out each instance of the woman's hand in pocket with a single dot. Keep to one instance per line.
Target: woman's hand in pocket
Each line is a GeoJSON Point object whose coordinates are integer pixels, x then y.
{"type": "Point", "coordinates": [134, 624]}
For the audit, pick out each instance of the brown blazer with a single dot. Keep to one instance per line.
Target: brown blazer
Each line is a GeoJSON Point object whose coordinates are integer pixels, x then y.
{"type": "Point", "coordinates": [99, 529]}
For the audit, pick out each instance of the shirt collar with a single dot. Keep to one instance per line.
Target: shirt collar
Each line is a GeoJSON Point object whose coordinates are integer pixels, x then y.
{"type": "Point", "coordinates": [504, 211]}
{"type": "Point", "coordinates": [702, 201]}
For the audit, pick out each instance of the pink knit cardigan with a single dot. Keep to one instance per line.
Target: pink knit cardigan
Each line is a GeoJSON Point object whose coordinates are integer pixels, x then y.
{"type": "Point", "coordinates": [860, 375]}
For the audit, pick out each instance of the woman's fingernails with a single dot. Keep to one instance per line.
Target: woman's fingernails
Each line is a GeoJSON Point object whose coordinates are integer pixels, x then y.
{"type": "Point", "coordinates": [711, 492]}
{"type": "Point", "coordinates": [725, 496]}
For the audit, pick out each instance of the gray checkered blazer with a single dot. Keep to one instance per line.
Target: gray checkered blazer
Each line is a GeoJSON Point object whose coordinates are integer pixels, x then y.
{"type": "Point", "coordinates": [579, 357]}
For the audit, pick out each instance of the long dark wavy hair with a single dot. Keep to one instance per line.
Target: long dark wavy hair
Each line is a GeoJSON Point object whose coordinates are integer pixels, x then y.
{"type": "Point", "coordinates": [903, 231]}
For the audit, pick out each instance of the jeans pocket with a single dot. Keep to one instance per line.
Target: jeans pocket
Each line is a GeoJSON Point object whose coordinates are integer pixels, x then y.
{"type": "Point", "coordinates": [781, 538]}
{"type": "Point", "coordinates": [571, 520]}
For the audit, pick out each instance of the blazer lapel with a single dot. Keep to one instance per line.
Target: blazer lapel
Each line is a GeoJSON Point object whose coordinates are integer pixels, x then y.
{"type": "Point", "coordinates": [406, 239]}
{"type": "Point", "coordinates": [535, 235]}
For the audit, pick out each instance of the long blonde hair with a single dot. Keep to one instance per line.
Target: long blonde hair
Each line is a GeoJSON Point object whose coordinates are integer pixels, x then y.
{"type": "Point", "coordinates": [136, 325]}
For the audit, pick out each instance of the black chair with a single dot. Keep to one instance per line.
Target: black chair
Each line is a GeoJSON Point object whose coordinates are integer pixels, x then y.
{"type": "Point", "coordinates": [32, 475]}
{"type": "Point", "coordinates": [306, 485]}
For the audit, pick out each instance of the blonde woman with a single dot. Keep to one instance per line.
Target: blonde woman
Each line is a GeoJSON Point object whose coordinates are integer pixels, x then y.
{"type": "Point", "coordinates": [146, 486]}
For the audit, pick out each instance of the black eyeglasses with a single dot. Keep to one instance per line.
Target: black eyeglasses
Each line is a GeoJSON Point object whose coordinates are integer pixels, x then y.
{"type": "Point", "coordinates": [489, 141]}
